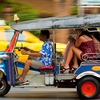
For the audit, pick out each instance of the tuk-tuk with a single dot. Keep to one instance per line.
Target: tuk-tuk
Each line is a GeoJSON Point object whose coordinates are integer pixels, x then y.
{"type": "Point", "coordinates": [86, 79]}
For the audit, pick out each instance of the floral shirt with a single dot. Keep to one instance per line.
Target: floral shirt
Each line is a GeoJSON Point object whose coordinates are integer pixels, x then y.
{"type": "Point", "coordinates": [47, 52]}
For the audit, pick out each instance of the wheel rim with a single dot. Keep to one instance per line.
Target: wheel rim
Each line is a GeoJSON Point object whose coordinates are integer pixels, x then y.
{"type": "Point", "coordinates": [2, 85]}
{"type": "Point", "coordinates": [89, 89]}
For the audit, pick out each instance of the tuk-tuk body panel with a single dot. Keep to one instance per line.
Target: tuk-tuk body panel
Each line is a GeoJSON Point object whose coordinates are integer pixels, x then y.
{"type": "Point", "coordinates": [3, 67]}
{"type": "Point", "coordinates": [9, 69]}
{"type": "Point", "coordinates": [88, 66]}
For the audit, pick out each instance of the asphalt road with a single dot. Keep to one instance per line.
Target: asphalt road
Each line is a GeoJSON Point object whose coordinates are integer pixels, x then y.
{"type": "Point", "coordinates": [41, 94]}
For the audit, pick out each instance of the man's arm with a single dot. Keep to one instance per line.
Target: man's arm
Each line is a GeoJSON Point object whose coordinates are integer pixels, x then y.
{"type": "Point", "coordinates": [27, 49]}
{"type": "Point", "coordinates": [34, 54]}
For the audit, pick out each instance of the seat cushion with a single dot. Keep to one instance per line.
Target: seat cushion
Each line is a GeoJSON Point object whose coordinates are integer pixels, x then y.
{"type": "Point", "coordinates": [46, 68]}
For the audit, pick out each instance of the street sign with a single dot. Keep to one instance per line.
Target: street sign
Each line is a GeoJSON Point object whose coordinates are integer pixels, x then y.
{"type": "Point", "coordinates": [90, 2]}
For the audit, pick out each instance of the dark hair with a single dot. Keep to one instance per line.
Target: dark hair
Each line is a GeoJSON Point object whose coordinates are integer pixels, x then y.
{"type": "Point", "coordinates": [46, 32]}
{"type": "Point", "coordinates": [84, 32]}
{"type": "Point", "coordinates": [96, 35]}
{"type": "Point", "coordinates": [95, 32]}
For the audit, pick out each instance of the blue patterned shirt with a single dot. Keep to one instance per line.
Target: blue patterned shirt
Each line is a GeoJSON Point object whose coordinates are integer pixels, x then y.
{"type": "Point", "coordinates": [47, 52]}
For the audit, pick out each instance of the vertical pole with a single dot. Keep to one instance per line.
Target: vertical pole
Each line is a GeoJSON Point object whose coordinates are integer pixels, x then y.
{"type": "Point", "coordinates": [80, 8]}
{"type": "Point", "coordinates": [54, 47]}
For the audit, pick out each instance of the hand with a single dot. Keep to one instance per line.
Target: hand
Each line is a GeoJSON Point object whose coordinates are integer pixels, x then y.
{"type": "Point", "coordinates": [72, 39]}
{"type": "Point", "coordinates": [25, 48]}
{"type": "Point", "coordinates": [24, 52]}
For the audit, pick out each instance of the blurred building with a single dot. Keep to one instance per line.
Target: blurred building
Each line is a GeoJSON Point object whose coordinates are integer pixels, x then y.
{"type": "Point", "coordinates": [7, 12]}
{"type": "Point", "coordinates": [42, 6]}
{"type": "Point", "coordinates": [49, 8]}
{"type": "Point", "coordinates": [88, 6]}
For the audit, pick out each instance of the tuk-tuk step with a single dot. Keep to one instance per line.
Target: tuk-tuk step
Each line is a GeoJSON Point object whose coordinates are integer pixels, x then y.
{"type": "Point", "coordinates": [64, 76]}
{"type": "Point", "coordinates": [34, 86]}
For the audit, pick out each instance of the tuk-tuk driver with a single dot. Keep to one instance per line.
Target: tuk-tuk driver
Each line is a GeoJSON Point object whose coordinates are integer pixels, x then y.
{"type": "Point", "coordinates": [44, 56]}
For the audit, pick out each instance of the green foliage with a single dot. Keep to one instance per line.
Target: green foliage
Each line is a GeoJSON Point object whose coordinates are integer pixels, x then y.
{"type": "Point", "coordinates": [9, 0]}
{"type": "Point", "coordinates": [74, 10]}
{"type": "Point", "coordinates": [1, 7]}
{"type": "Point", "coordinates": [27, 15]}
{"type": "Point", "coordinates": [23, 11]}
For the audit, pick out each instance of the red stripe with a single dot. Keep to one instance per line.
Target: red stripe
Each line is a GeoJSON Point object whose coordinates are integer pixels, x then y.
{"type": "Point", "coordinates": [11, 46]}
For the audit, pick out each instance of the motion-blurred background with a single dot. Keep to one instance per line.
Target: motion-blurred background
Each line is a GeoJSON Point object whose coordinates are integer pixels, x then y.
{"type": "Point", "coordinates": [33, 9]}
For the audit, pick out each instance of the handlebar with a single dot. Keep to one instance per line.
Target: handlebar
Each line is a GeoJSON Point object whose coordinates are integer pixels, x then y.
{"type": "Point", "coordinates": [25, 48]}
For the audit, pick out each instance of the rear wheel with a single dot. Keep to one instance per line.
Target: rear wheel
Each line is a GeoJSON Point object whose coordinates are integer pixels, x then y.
{"type": "Point", "coordinates": [88, 88]}
{"type": "Point", "coordinates": [4, 87]}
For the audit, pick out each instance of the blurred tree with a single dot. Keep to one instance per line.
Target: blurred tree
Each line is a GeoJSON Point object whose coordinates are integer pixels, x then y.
{"type": "Point", "coordinates": [7, 12]}
{"type": "Point", "coordinates": [74, 10]}
{"type": "Point", "coordinates": [24, 11]}
{"type": "Point", "coordinates": [8, 8]}
{"type": "Point", "coordinates": [5, 1]}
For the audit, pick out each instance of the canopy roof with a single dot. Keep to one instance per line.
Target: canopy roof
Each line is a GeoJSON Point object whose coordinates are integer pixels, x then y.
{"type": "Point", "coordinates": [92, 20]}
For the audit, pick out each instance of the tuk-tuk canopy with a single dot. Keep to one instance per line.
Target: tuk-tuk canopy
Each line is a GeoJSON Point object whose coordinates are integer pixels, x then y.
{"type": "Point", "coordinates": [91, 20]}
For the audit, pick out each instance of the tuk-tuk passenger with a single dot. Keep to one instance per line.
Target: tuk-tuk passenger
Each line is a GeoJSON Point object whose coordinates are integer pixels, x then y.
{"type": "Point", "coordinates": [44, 56]}
{"type": "Point", "coordinates": [95, 32]}
{"type": "Point", "coordinates": [84, 44]}
{"type": "Point", "coordinates": [74, 61]}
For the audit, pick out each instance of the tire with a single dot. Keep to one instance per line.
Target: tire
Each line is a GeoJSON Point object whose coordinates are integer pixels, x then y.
{"type": "Point", "coordinates": [4, 87]}
{"type": "Point", "coordinates": [88, 88]}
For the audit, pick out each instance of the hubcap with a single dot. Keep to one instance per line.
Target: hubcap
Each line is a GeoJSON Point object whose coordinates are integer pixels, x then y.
{"type": "Point", "coordinates": [89, 89]}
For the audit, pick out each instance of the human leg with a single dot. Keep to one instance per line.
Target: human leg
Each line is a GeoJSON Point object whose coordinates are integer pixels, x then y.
{"type": "Point", "coordinates": [28, 63]}
{"type": "Point", "coordinates": [36, 64]}
{"type": "Point", "coordinates": [69, 44]}
{"type": "Point", "coordinates": [75, 64]}
{"type": "Point", "coordinates": [73, 50]}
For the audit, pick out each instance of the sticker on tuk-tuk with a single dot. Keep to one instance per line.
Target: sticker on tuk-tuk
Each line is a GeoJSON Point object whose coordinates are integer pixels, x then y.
{"type": "Point", "coordinates": [96, 68]}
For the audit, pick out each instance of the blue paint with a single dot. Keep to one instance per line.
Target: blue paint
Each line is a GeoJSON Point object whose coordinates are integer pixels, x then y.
{"type": "Point", "coordinates": [57, 69]}
{"type": "Point", "coordinates": [87, 67]}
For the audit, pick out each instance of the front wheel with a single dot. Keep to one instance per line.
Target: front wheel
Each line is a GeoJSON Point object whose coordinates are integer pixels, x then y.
{"type": "Point", "coordinates": [4, 87]}
{"type": "Point", "coordinates": [88, 88]}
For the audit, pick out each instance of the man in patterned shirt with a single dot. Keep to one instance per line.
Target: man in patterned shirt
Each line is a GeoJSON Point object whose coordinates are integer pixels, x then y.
{"type": "Point", "coordinates": [44, 57]}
